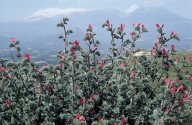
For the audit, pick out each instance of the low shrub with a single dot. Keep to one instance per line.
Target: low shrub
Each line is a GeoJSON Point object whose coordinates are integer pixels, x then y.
{"type": "Point", "coordinates": [83, 88]}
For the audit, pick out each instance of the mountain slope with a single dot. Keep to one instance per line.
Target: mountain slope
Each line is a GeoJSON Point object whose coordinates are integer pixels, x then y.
{"type": "Point", "coordinates": [43, 32]}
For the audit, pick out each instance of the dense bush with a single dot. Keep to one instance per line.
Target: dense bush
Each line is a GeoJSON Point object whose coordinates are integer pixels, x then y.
{"type": "Point", "coordinates": [84, 89]}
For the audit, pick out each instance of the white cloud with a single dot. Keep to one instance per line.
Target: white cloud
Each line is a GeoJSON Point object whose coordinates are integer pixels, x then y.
{"type": "Point", "coordinates": [132, 8]}
{"type": "Point", "coordinates": [53, 12]}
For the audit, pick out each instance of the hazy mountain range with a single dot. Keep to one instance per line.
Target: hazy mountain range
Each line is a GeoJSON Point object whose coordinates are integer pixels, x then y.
{"type": "Point", "coordinates": [39, 29]}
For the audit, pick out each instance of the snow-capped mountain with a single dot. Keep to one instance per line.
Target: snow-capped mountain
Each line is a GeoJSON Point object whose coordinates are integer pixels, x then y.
{"type": "Point", "coordinates": [53, 13]}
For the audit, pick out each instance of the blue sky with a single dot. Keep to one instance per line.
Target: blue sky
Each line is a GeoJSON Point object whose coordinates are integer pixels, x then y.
{"type": "Point", "coordinates": [13, 10]}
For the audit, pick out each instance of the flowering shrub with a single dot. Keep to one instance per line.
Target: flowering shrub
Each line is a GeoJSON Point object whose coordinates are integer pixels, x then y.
{"type": "Point", "coordinates": [84, 89]}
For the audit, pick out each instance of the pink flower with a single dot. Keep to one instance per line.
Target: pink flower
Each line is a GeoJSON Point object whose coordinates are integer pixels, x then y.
{"type": "Point", "coordinates": [61, 65]}
{"type": "Point", "coordinates": [102, 63]}
{"type": "Point", "coordinates": [81, 101]}
{"type": "Point", "coordinates": [81, 118]}
{"type": "Point", "coordinates": [115, 123]}
{"type": "Point", "coordinates": [152, 51]}
{"type": "Point", "coordinates": [39, 70]}
{"type": "Point", "coordinates": [51, 89]}
{"type": "Point", "coordinates": [72, 51]}
{"type": "Point", "coordinates": [135, 62]}
{"type": "Point", "coordinates": [186, 92]}
{"type": "Point", "coordinates": [172, 47]}
{"type": "Point", "coordinates": [172, 82]}
{"type": "Point", "coordinates": [157, 26]}
{"type": "Point", "coordinates": [75, 43]}
{"type": "Point", "coordinates": [7, 77]}
{"type": "Point", "coordinates": [90, 26]}
{"type": "Point", "coordinates": [181, 101]}
{"type": "Point", "coordinates": [46, 64]}
{"type": "Point", "coordinates": [138, 24]}
{"type": "Point", "coordinates": [122, 64]}
{"type": "Point", "coordinates": [95, 48]}
{"type": "Point", "coordinates": [91, 68]}
{"type": "Point", "coordinates": [108, 23]}
{"type": "Point", "coordinates": [143, 26]}
{"type": "Point", "coordinates": [62, 57]}
{"type": "Point", "coordinates": [73, 57]}
{"type": "Point", "coordinates": [42, 85]}
{"type": "Point", "coordinates": [27, 56]}
{"type": "Point", "coordinates": [167, 66]}
{"type": "Point", "coordinates": [132, 34]}
{"type": "Point", "coordinates": [167, 82]}
{"type": "Point", "coordinates": [164, 51]}
{"type": "Point", "coordinates": [122, 27]}
{"type": "Point", "coordinates": [91, 35]}
{"type": "Point", "coordinates": [173, 90]}
{"type": "Point", "coordinates": [189, 58]}
{"type": "Point", "coordinates": [92, 96]}
{"type": "Point", "coordinates": [167, 109]}
{"type": "Point", "coordinates": [123, 121]}
{"type": "Point", "coordinates": [173, 34]}
{"type": "Point", "coordinates": [100, 119]}
{"type": "Point", "coordinates": [132, 74]}
{"type": "Point", "coordinates": [180, 87]}
{"type": "Point", "coordinates": [77, 116]}
{"type": "Point", "coordinates": [12, 40]}
{"type": "Point", "coordinates": [3, 69]}
{"type": "Point", "coordinates": [189, 99]}
{"type": "Point", "coordinates": [190, 78]}
{"type": "Point", "coordinates": [8, 102]}
{"type": "Point", "coordinates": [176, 59]}
{"type": "Point", "coordinates": [156, 45]}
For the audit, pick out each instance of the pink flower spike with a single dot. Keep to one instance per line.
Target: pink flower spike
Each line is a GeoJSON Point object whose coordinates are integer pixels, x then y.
{"type": "Point", "coordinates": [122, 64]}
{"type": "Point", "coordinates": [100, 119]}
{"type": "Point", "coordinates": [176, 60]}
{"type": "Point", "coordinates": [189, 99]}
{"type": "Point", "coordinates": [95, 48]}
{"type": "Point", "coordinates": [181, 87]}
{"type": "Point", "coordinates": [8, 102]}
{"type": "Point", "coordinates": [3, 69]}
{"type": "Point", "coordinates": [138, 24]}
{"type": "Point", "coordinates": [90, 26]}
{"type": "Point", "coordinates": [27, 56]}
{"type": "Point", "coordinates": [123, 121]}
{"type": "Point", "coordinates": [181, 101]}
{"type": "Point", "coordinates": [132, 74]}
{"type": "Point", "coordinates": [167, 82]}
{"type": "Point", "coordinates": [173, 34]}
{"type": "Point", "coordinates": [186, 92]}
{"type": "Point", "coordinates": [164, 51]}
{"type": "Point", "coordinates": [75, 43]}
{"type": "Point", "coordinates": [108, 23]}
{"type": "Point", "coordinates": [81, 118]}
{"type": "Point", "coordinates": [173, 90]}
{"type": "Point", "coordinates": [12, 40]}
{"type": "Point", "coordinates": [132, 34]}
{"type": "Point", "coordinates": [122, 27]}
{"type": "Point", "coordinates": [156, 45]}
{"type": "Point", "coordinates": [72, 51]}
{"type": "Point", "coordinates": [102, 64]}
{"type": "Point", "coordinates": [157, 26]}
{"type": "Point", "coordinates": [62, 57]}
{"type": "Point", "coordinates": [172, 47]}
{"type": "Point", "coordinates": [143, 26]}
{"type": "Point", "coordinates": [77, 116]}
